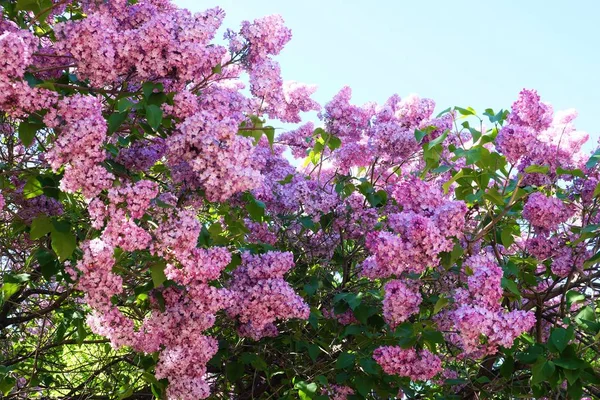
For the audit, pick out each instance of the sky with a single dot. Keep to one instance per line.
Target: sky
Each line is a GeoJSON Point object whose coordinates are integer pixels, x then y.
{"type": "Point", "coordinates": [463, 53]}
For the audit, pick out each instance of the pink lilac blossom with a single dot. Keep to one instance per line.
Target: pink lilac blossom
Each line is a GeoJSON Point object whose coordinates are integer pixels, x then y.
{"type": "Point", "coordinates": [417, 195]}
{"type": "Point", "coordinates": [184, 365]}
{"type": "Point", "coordinates": [261, 296]}
{"type": "Point", "coordinates": [418, 366]}
{"type": "Point", "coordinates": [260, 232]}
{"type": "Point", "coordinates": [545, 213]}
{"type": "Point", "coordinates": [81, 132]}
{"type": "Point", "coordinates": [485, 282]}
{"type": "Point", "coordinates": [541, 246]}
{"type": "Point", "coordinates": [221, 160]}
{"type": "Point", "coordinates": [142, 155]}
{"type": "Point", "coordinates": [515, 141]}
{"type": "Point", "coordinates": [498, 327]}
{"type": "Point", "coordinates": [400, 302]}
{"type": "Point", "coordinates": [136, 196]}
{"type": "Point", "coordinates": [345, 318]}
{"type": "Point", "coordinates": [185, 104]}
{"type": "Point", "coordinates": [528, 110]}
{"type": "Point", "coordinates": [450, 218]}
{"type": "Point", "coordinates": [416, 244]}
{"type": "Point", "coordinates": [97, 279]}
{"type": "Point", "coordinates": [16, 53]}
{"type": "Point", "coordinates": [267, 36]}
{"type": "Point", "coordinates": [299, 140]}
{"type": "Point", "coordinates": [152, 40]}
{"type": "Point", "coordinates": [177, 235]}
{"type": "Point", "coordinates": [337, 392]}
{"type": "Point", "coordinates": [346, 121]}
{"type": "Point", "coordinates": [272, 264]}
{"type": "Point", "coordinates": [201, 265]}
{"type": "Point", "coordinates": [124, 233]}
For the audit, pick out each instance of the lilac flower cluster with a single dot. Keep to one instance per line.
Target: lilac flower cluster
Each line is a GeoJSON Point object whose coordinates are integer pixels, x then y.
{"type": "Point", "coordinates": [418, 366]}
{"type": "Point", "coordinates": [261, 295]}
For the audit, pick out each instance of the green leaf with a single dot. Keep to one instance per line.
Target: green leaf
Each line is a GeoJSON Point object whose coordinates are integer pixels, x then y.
{"type": "Point", "coordinates": [575, 390]}
{"type": "Point", "coordinates": [420, 134]}
{"type": "Point", "coordinates": [353, 330]}
{"type": "Point", "coordinates": [306, 387]}
{"type": "Point", "coordinates": [433, 337]}
{"type": "Point", "coordinates": [370, 366]}
{"type": "Point", "coordinates": [574, 297]}
{"type": "Point", "coordinates": [507, 237]}
{"type": "Point", "coordinates": [560, 338]}
{"type": "Point", "coordinates": [33, 188]}
{"type": "Point", "coordinates": [364, 385]}
{"type": "Point", "coordinates": [439, 140]}
{"type": "Point", "coordinates": [507, 368]}
{"type": "Point", "coordinates": [307, 222]}
{"type": "Point", "coordinates": [345, 360]}
{"type": "Point", "coordinates": [27, 131]}
{"type": "Point", "coordinates": [255, 208]}
{"type": "Point", "coordinates": [40, 227]}
{"type": "Point", "coordinates": [234, 371]}
{"type": "Point", "coordinates": [148, 88]}
{"type": "Point", "coordinates": [154, 115]}
{"type": "Point", "coordinates": [446, 111]}
{"type": "Point", "coordinates": [27, 5]}
{"type": "Point", "coordinates": [594, 159]}
{"type": "Point", "coordinates": [541, 371]}
{"type": "Point", "coordinates": [570, 363]}
{"type": "Point", "coordinates": [115, 120]}
{"type": "Point", "coordinates": [511, 286]}
{"type": "Point", "coordinates": [531, 354]}
{"type": "Point", "coordinates": [591, 261]}
{"type": "Point", "coordinates": [286, 180]}
{"type": "Point", "coordinates": [586, 313]}
{"type": "Point", "coordinates": [6, 384]}
{"type": "Point", "coordinates": [334, 142]}
{"type": "Point", "coordinates": [63, 241]}
{"type": "Point", "coordinates": [572, 172]}
{"type": "Point", "coordinates": [217, 69]}
{"type": "Point", "coordinates": [8, 289]}
{"type": "Point", "coordinates": [157, 271]}
{"type": "Point", "coordinates": [446, 186]}
{"type": "Point", "coordinates": [313, 351]}
{"type": "Point", "coordinates": [311, 287]}
{"type": "Point", "coordinates": [540, 169]}
{"type": "Point", "coordinates": [124, 104]}
{"type": "Point", "coordinates": [465, 111]}
{"type": "Point", "coordinates": [270, 134]}
{"type": "Point", "coordinates": [440, 303]}
{"type": "Point", "coordinates": [17, 278]}
{"type": "Point", "coordinates": [597, 190]}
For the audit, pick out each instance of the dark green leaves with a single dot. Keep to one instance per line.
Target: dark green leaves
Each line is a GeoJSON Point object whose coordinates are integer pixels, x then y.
{"type": "Point", "coordinates": [542, 371]}
{"type": "Point", "coordinates": [154, 115]}
{"type": "Point", "coordinates": [63, 241]}
{"type": "Point", "coordinates": [594, 160]}
{"type": "Point", "coordinates": [148, 88]}
{"type": "Point", "coordinates": [33, 188]}
{"type": "Point", "coordinates": [560, 338]}
{"type": "Point", "coordinates": [40, 227]}
{"type": "Point", "coordinates": [115, 120]}
{"type": "Point", "coordinates": [345, 360]}
{"type": "Point", "coordinates": [27, 131]}
{"type": "Point", "coordinates": [255, 208]}
{"type": "Point", "coordinates": [157, 271]}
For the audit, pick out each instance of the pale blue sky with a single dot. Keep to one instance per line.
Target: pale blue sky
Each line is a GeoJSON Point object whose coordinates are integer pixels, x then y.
{"type": "Point", "coordinates": [465, 53]}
